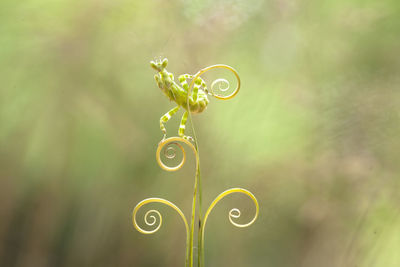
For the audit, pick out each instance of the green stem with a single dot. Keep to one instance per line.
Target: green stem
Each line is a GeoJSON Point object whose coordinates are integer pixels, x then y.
{"type": "Point", "coordinates": [199, 241]}
{"type": "Point", "coordinates": [193, 218]}
{"type": "Point", "coordinates": [196, 191]}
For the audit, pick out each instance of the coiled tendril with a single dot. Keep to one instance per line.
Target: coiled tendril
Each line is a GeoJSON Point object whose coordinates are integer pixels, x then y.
{"type": "Point", "coordinates": [166, 147]}
{"type": "Point", "coordinates": [233, 213]}
{"type": "Point", "coordinates": [219, 82]}
{"type": "Point", "coordinates": [150, 217]}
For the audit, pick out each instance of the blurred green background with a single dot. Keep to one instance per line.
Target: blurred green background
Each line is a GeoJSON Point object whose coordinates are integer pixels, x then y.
{"type": "Point", "coordinates": [313, 133]}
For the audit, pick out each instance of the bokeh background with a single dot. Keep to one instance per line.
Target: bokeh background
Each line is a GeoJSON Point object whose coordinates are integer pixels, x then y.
{"type": "Point", "coordinates": [313, 133]}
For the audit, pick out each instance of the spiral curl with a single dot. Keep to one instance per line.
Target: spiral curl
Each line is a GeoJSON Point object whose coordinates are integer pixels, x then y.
{"type": "Point", "coordinates": [233, 213]}
{"type": "Point", "coordinates": [151, 219]}
{"type": "Point", "coordinates": [165, 147]}
{"type": "Point", "coordinates": [218, 81]}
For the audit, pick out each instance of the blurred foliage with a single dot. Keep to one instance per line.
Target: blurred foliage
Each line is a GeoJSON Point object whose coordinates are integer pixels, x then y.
{"type": "Point", "coordinates": [313, 133]}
